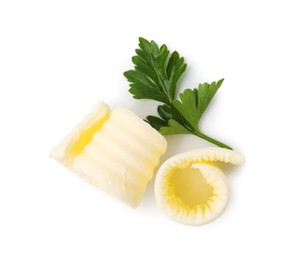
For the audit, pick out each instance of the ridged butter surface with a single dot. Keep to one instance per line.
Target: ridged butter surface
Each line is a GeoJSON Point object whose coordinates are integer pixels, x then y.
{"type": "Point", "coordinates": [121, 156]}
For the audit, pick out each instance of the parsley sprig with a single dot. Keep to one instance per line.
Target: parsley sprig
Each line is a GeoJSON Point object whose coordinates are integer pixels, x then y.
{"type": "Point", "coordinates": [155, 76]}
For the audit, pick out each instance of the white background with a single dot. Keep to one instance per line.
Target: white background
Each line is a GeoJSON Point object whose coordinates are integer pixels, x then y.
{"type": "Point", "coordinates": [58, 58]}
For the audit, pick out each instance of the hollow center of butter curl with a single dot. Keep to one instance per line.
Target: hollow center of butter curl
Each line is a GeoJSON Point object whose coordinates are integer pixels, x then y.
{"type": "Point", "coordinates": [190, 186]}
{"type": "Point", "coordinates": [85, 138]}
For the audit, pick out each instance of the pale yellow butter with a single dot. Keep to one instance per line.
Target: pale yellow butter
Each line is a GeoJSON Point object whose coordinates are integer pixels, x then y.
{"type": "Point", "coordinates": [114, 150]}
{"type": "Point", "coordinates": [191, 189]}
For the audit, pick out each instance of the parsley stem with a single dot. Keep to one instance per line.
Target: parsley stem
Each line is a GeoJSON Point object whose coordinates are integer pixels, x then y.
{"type": "Point", "coordinates": [213, 141]}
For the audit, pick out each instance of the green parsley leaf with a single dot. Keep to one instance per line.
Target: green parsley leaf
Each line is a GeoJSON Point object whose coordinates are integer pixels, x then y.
{"type": "Point", "coordinates": [194, 102]}
{"type": "Point", "coordinates": [174, 128]}
{"type": "Point", "coordinates": [156, 122]}
{"type": "Point", "coordinates": [155, 76]}
{"type": "Point", "coordinates": [156, 72]}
